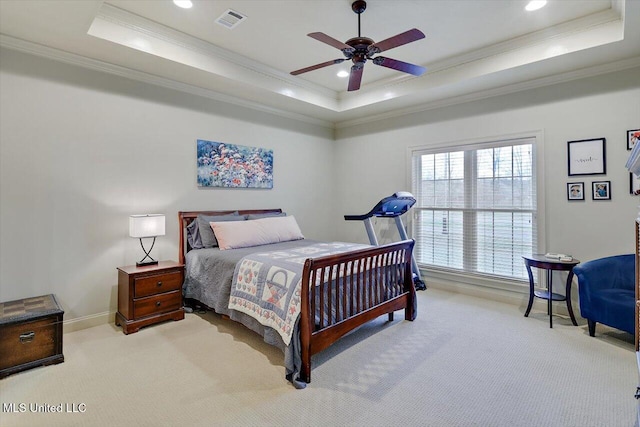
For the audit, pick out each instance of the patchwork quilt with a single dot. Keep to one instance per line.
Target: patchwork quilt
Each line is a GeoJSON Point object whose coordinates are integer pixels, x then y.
{"type": "Point", "coordinates": [266, 285]}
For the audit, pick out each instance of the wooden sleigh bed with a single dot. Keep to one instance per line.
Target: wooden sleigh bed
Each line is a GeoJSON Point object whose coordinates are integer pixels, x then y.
{"type": "Point", "coordinates": [338, 293]}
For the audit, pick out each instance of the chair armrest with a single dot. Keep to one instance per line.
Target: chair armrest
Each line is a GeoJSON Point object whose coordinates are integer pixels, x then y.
{"type": "Point", "coordinates": [615, 272]}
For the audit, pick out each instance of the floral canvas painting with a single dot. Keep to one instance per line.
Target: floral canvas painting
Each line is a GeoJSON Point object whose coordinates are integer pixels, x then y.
{"type": "Point", "coordinates": [234, 166]}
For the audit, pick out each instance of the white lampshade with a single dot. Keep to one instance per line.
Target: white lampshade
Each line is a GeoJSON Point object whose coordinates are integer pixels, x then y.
{"type": "Point", "coordinates": [149, 225]}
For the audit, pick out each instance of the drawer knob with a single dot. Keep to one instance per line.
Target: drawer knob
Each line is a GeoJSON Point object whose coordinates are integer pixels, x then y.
{"type": "Point", "coordinates": [158, 304]}
{"type": "Point", "coordinates": [159, 284]}
{"type": "Point", "coordinates": [27, 337]}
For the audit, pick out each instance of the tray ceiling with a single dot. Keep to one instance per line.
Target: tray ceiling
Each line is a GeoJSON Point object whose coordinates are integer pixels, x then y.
{"type": "Point", "coordinates": [472, 49]}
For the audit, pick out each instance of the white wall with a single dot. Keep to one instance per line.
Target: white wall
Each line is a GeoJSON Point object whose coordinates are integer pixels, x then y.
{"type": "Point", "coordinates": [81, 150]}
{"type": "Point", "coordinates": [372, 158]}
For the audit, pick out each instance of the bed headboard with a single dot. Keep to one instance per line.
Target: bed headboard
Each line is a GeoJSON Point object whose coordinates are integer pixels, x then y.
{"type": "Point", "coordinates": [187, 217]}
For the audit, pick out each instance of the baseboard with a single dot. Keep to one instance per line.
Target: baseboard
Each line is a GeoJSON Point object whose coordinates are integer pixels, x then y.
{"type": "Point", "coordinates": [501, 295]}
{"type": "Point", "coordinates": [90, 321]}
{"type": "Point", "coordinates": [517, 297]}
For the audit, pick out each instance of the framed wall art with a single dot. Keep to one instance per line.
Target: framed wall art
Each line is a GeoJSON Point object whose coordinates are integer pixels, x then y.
{"type": "Point", "coordinates": [601, 190]}
{"type": "Point", "coordinates": [233, 166]}
{"type": "Point", "coordinates": [633, 136]}
{"type": "Point", "coordinates": [634, 184]}
{"type": "Point", "coordinates": [575, 191]}
{"type": "Point", "coordinates": [587, 157]}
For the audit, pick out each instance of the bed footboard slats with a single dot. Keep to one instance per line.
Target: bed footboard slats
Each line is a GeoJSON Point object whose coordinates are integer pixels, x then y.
{"type": "Point", "coordinates": [341, 292]}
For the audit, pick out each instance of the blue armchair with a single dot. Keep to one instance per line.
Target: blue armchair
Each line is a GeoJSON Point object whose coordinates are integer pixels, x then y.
{"type": "Point", "coordinates": [607, 292]}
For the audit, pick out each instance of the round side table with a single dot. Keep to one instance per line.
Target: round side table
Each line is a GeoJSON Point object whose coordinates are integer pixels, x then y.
{"type": "Point", "coordinates": [542, 262]}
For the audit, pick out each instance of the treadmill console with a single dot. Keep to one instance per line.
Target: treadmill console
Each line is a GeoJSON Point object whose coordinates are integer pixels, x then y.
{"type": "Point", "coordinates": [390, 207]}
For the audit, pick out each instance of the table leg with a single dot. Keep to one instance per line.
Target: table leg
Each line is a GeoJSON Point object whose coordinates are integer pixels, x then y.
{"type": "Point", "coordinates": [531, 295]}
{"type": "Point", "coordinates": [568, 294]}
{"type": "Point", "coordinates": [550, 288]}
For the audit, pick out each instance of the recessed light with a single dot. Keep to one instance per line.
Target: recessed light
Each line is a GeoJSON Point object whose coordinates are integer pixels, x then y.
{"type": "Point", "coordinates": [185, 4]}
{"type": "Point", "coordinates": [535, 5]}
{"type": "Point", "coordinates": [141, 44]}
{"type": "Point", "coordinates": [556, 50]}
{"type": "Point", "coordinates": [342, 73]}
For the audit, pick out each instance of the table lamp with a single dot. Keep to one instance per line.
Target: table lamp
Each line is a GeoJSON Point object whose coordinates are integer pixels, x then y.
{"type": "Point", "coordinates": [146, 226]}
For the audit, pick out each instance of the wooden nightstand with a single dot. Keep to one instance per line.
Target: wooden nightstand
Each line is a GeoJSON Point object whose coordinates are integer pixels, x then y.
{"type": "Point", "coordinates": [149, 294]}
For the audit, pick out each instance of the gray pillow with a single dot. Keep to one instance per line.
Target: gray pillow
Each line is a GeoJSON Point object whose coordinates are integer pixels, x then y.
{"type": "Point", "coordinates": [193, 235]}
{"type": "Point", "coordinates": [207, 237]}
{"type": "Point", "coordinates": [266, 215]}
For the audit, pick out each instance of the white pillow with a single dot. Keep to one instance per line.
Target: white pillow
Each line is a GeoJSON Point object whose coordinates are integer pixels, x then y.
{"type": "Point", "coordinates": [243, 234]}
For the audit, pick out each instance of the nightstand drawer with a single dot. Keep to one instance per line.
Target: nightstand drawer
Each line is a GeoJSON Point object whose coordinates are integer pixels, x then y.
{"type": "Point", "coordinates": [152, 285]}
{"type": "Point", "coordinates": [157, 304]}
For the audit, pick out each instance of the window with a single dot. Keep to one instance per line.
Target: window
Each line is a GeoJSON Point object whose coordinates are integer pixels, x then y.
{"type": "Point", "coordinates": [476, 207]}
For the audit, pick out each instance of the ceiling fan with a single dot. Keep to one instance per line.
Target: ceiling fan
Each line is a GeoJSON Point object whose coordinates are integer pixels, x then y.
{"type": "Point", "coordinates": [359, 49]}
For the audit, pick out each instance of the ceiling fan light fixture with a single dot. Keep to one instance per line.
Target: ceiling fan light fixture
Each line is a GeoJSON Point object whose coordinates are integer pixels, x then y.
{"type": "Point", "coordinates": [535, 5]}
{"type": "Point", "coordinates": [185, 4]}
{"type": "Point", "coordinates": [361, 49]}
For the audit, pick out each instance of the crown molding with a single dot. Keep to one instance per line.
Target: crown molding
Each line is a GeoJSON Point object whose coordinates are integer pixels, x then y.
{"type": "Point", "coordinates": [158, 31]}
{"type": "Point", "coordinates": [602, 18]}
{"type": "Point", "coordinates": [96, 65]}
{"type": "Point", "coordinates": [502, 90]}
{"type": "Point", "coordinates": [81, 61]}
{"type": "Point", "coordinates": [566, 29]}
{"type": "Point", "coordinates": [151, 29]}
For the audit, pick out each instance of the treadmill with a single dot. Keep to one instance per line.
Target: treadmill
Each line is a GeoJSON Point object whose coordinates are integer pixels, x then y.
{"type": "Point", "coordinates": [394, 207]}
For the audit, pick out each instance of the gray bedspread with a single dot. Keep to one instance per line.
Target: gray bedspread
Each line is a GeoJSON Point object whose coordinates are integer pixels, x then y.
{"type": "Point", "coordinates": [267, 284]}
{"type": "Point", "coordinates": [208, 278]}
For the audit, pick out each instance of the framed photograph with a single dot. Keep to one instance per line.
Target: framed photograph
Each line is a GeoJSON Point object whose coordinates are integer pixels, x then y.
{"type": "Point", "coordinates": [587, 157]}
{"type": "Point", "coordinates": [633, 136]}
{"type": "Point", "coordinates": [233, 166]}
{"type": "Point", "coordinates": [575, 191]}
{"type": "Point", "coordinates": [634, 184]}
{"type": "Point", "coordinates": [601, 190]}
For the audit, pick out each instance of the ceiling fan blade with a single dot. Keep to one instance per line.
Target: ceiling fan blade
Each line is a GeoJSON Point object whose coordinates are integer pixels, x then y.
{"type": "Point", "coordinates": [315, 67]}
{"type": "Point", "coordinates": [330, 41]}
{"type": "Point", "coordinates": [405, 67]}
{"type": "Point", "coordinates": [395, 41]}
{"type": "Point", "coordinates": [355, 77]}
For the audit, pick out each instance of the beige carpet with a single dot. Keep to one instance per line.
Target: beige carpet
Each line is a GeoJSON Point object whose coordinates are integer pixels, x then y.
{"type": "Point", "coordinates": [464, 362]}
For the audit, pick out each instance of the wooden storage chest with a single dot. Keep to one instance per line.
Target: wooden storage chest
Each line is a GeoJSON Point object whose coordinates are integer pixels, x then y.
{"type": "Point", "coordinates": [30, 334]}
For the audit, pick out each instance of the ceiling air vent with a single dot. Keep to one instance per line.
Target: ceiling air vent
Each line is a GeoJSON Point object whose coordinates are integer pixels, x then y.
{"type": "Point", "coordinates": [231, 19]}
